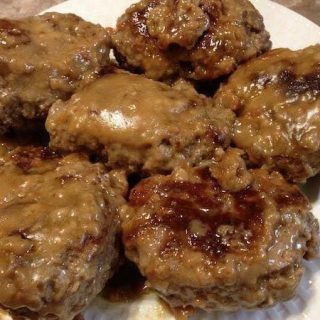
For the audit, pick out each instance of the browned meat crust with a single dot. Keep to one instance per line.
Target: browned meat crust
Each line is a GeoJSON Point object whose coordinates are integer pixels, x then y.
{"type": "Point", "coordinates": [198, 39]}
{"type": "Point", "coordinates": [43, 59]}
{"type": "Point", "coordinates": [57, 233]}
{"type": "Point", "coordinates": [140, 124]}
{"type": "Point", "coordinates": [277, 100]}
{"type": "Point", "coordinates": [220, 237]}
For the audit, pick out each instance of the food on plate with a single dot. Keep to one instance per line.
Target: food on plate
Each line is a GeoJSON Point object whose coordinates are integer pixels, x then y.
{"type": "Point", "coordinates": [220, 237]}
{"type": "Point", "coordinates": [45, 58]}
{"type": "Point", "coordinates": [197, 39]}
{"type": "Point", "coordinates": [139, 124]}
{"type": "Point", "coordinates": [58, 231]}
{"type": "Point", "coordinates": [277, 101]}
{"type": "Point", "coordinates": [79, 136]}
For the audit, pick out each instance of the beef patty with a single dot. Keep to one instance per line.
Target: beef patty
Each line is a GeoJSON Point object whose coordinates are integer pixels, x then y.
{"type": "Point", "coordinates": [220, 237]}
{"type": "Point", "coordinates": [140, 124]}
{"type": "Point", "coordinates": [197, 39]}
{"type": "Point", "coordinates": [45, 58]}
{"type": "Point", "coordinates": [277, 100]}
{"type": "Point", "coordinates": [58, 226]}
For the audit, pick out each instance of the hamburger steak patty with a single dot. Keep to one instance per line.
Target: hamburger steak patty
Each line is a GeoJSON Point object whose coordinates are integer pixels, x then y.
{"type": "Point", "coordinates": [197, 39]}
{"type": "Point", "coordinates": [58, 226]}
{"type": "Point", "coordinates": [140, 124]}
{"type": "Point", "coordinates": [220, 237]}
{"type": "Point", "coordinates": [277, 100]}
{"type": "Point", "coordinates": [45, 58]}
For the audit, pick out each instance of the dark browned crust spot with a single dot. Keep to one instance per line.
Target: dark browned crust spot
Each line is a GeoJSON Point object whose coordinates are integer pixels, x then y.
{"type": "Point", "coordinates": [141, 194]}
{"type": "Point", "coordinates": [299, 85]}
{"type": "Point", "coordinates": [18, 35]}
{"type": "Point", "coordinates": [9, 27]}
{"type": "Point", "coordinates": [138, 20]}
{"type": "Point", "coordinates": [182, 202]}
{"type": "Point", "coordinates": [67, 178]}
{"type": "Point", "coordinates": [26, 158]}
{"type": "Point", "coordinates": [293, 169]}
{"type": "Point", "coordinates": [294, 198]}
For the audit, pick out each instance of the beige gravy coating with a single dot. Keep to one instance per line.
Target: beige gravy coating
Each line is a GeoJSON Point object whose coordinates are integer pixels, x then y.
{"type": "Point", "coordinates": [140, 122]}
{"type": "Point", "coordinates": [242, 233]}
{"type": "Point", "coordinates": [195, 39]}
{"type": "Point", "coordinates": [277, 100]}
{"type": "Point", "coordinates": [45, 58]}
{"type": "Point", "coordinates": [118, 108]}
{"type": "Point", "coordinates": [58, 224]}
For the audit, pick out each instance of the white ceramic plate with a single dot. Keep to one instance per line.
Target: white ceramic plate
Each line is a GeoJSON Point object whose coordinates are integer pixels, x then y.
{"type": "Point", "coordinates": [287, 29]}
